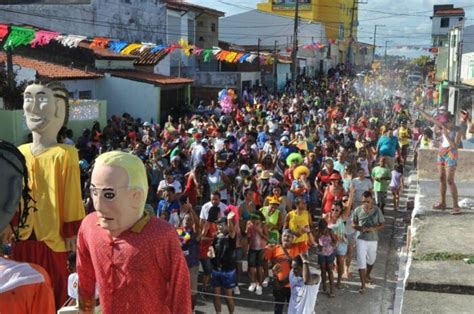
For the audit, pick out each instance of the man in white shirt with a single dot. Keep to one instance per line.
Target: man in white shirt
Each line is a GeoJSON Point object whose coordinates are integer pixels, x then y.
{"type": "Point", "coordinates": [215, 201]}
{"type": "Point", "coordinates": [304, 286]}
{"type": "Point", "coordinates": [169, 180]}
{"type": "Point", "coordinates": [360, 185]}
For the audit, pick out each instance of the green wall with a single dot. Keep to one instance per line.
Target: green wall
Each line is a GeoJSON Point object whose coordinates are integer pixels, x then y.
{"type": "Point", "coordinates": [13, 127]}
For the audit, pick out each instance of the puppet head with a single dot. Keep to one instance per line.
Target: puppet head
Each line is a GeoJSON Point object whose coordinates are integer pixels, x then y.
{"type": "Point", "coordinates": [46, 108]}
{"type": "Point", "coordinates": [118, 188]}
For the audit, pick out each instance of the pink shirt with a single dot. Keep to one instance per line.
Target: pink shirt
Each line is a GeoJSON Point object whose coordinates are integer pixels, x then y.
{"type": "Point", "coordinates": [141, 271]}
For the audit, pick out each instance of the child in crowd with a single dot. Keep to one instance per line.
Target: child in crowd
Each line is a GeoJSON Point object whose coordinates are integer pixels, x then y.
{"type": "Point", "coordinates": [396, 185]}
{"type": "Point", "coordinates": [258, 235]}
{"type": "Point", "coordinates": [327, 241]}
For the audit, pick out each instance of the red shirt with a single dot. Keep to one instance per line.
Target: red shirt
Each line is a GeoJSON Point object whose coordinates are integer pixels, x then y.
{"type": "Point", "coordinates": [141, 271]}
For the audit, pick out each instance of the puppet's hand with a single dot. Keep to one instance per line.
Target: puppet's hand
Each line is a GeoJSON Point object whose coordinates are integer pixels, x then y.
{"type": "Point", "coordinates": [71, 244]}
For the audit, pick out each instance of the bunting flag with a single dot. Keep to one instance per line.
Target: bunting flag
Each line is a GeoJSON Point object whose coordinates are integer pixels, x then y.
{"type": "Point", "coordinates": [71, 41]}
{"type": "Point", "coordinates": [3, 31]}
{"type": "Point", "coordinates": [130, 48]}
{"type": "Point", "coordinates": [99, 42]}
{"type": "Point", "coordinates": [117, 46]}
{"type": "Point", "coordinates": [19, 36]}
{"type": "Point", "coordinates": [42, 38]}
{"type": "Point", "coordinates": [15, 36]}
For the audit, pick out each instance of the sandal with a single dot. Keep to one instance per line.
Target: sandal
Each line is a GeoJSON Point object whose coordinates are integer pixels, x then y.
{"type": "Point", "coordinates": [439, 206]}
{"type": "Point", "coordinates": [362, 290]}
{"type": "Point", "coordinates": [456, 211]}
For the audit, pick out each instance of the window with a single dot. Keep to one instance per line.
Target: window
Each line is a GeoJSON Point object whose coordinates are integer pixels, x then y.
{"type": "Point", "coordinates": [85, 94]}
{"type": "Point", "coordinates": [341, 31]}
{"type": "Point", "coordinates": [444, 22]}
{"type": "Point", "coordinates": [201, 38]}
{"type": "Point", "coordinates": [213, 27]}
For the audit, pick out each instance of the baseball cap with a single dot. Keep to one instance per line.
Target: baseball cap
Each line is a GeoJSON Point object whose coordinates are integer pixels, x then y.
{"type": "Point", "coordinates": [284, 138]}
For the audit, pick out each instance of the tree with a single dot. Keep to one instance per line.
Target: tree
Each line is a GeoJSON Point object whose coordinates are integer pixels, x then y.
{"type": "Point", "coordinates": [13, 99]}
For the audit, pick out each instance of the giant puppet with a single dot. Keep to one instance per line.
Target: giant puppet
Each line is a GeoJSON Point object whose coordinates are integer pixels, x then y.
{"type": "Point", "coordinates": [135, 259]}
{"type": "Point", "coordinates": [50, 230]}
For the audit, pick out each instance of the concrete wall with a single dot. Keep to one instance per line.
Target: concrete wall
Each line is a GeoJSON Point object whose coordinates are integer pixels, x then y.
{"type": "Point", "coordinates": [137, 98]}
{"type": "Point", "coordinates": [225, 79]}
{"type": "Point", "coordinates": [427, 169]}
{"type": "Point", "coordinates": [143, 20]}
{"type": "Point", "coordinates": [283, 72]}
{"type": "Point", "coordinates": [436, 26]}
{"type": "Point", "coordinates": [76, 86]}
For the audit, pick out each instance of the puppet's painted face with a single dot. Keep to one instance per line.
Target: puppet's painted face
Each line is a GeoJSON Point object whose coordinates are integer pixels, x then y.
{"type": "Point", "coordinates": [113, 200]}
{"type": "Point", "coordinates": [43, 111]}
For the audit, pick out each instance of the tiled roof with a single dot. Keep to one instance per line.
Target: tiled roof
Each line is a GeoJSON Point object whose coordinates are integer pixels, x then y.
{"type": "Point", "coordinates": [152, 78]}
{"type": "Point", "coordinates": [449, 12]}
{"type": "Point", "coordinates": [148, 58]}
{"type": "Point", "coordinates": [105, 53]}
{"type": "Point", "coordinates": [50, 70]}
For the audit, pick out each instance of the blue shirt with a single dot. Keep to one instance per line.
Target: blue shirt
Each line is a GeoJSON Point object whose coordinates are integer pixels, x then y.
{"type": "Point", "coordinates": [388, 146]}
{"type": "Point", "coordinates": [262, 137]}
{"type": "Point", "coordinates": [169, 207]}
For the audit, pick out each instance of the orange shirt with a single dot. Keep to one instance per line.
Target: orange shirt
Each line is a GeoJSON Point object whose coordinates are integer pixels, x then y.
{"type": "Point", "coordinates": [25, 288]}
{"type": "Point", "coordinates": [276, 255]}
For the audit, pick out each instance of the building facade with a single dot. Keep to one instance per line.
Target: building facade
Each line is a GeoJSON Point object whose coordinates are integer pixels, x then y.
{"type": "Point", "coordinates": [444, 18]}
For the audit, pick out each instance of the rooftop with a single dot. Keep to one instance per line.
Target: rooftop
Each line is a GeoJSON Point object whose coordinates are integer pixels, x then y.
{"type": "Point", "coordinates": [51, 71]}
{"type": "Point", "coordinates": [148, 77]}
{"type": "Point", "coordinates": [449, 12]}
{"type": "Point", "coordinates": [185, 6]}
{"type": "Point", "coordinates": [147, 57]}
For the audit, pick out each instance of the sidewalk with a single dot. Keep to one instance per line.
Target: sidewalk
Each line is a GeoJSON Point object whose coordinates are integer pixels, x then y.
{"type": "Point", "coordinates": [438, 279]}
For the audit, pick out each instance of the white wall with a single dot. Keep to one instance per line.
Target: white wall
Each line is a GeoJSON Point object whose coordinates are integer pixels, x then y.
{"type": "Point", "coordinates": [436, 25]}
{"type": "Point", "coordinates": [76, 86]}
{"type": "Point", "coordinates": [137, 98]}
{"type": "Point", "coordinates": [283, 70]}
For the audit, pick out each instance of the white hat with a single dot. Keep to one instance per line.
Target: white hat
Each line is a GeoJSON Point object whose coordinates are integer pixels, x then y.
{"type": "Point", "coordinates": [442, 108]}
{"type": "Point", "coordinates": [244, 167]}
{"type": "Point", "coordinates": [146, 123]}
{"type": "Point", "coordinates": [284, 138]}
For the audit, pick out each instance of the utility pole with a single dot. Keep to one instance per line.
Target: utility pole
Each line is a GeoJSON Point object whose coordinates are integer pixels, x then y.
{"type": "Point", "coordinates": [258, 60]}
{"type": "Point", "coordinates": [375, 37]}
{"type": "Point", "coordinates": [385, 57]}
{"type": "Point", "coordinates": [295, 46]}
{"type": "Point", "coordinates": [11, 80]}
{"type": "Point", "coordinates": [275, 69]}
{"type": "Point", "coordinates": [349, 50]}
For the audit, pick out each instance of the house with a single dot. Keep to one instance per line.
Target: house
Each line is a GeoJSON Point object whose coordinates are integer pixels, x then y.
{"type": "Point", "coordinates": [143, 20]}
{"type": "Point", "coordinates": [339, 18]}
{"type": "Point", "coordinates": [273, 33]}
{"type": "Point", "coordinates": [444, 17]}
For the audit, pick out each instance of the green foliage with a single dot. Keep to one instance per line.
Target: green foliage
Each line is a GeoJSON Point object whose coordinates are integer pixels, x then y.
{"type": "Point", "coordinates": [13, 99]}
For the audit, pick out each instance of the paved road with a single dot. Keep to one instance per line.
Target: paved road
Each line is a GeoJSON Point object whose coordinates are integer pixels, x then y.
{"type": "Point", "coordinates": [378, 298]}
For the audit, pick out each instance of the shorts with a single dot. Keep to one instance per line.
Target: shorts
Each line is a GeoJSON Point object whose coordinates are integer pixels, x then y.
{"type": "Point", "coordinates": [380, 197]}
{"type": "Point", "coordinates": [352, 238]}
{"type": "Point", "coordinates": [366, 253]}
{"type": "Point", "coordinates": [395, 189]}
{"type": "Point", "coordinates": [224, 279]}
{"type": "Point", "coordinates": [404, 151]}
{"type": "Point", "coordinates": [302, 246]}
{"type": "Point", "coordinates": [390, 162]}
{"type": "Point", "coordinates": [448, 158]}
{"type": "Point", "coordinates": [255, 258]}
{"type": "Point", "coordinates": [328, 259]}
{"type": "Point", "coordinates": [206, 266]}
{"type": "Point", "coordinates": [193, 274]}
{"type": "Point", "coordinates": [341, 249]}
{"type": "Point", "coordinates": [238, 254]}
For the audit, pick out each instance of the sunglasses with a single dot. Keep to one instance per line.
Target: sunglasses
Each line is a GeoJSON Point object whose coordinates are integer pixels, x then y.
{"type": "Point", "coordinates": [336, 209]}
{"type": "Point", "coordinates": [108, 193]}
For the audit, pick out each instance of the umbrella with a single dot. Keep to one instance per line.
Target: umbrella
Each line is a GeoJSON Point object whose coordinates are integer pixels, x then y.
{"type": "Point", "coordinates": [294, 157]}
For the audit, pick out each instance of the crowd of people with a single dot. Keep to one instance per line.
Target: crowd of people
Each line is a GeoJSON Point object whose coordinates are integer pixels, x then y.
{"type": "Point", "coordinates": [281, 176]}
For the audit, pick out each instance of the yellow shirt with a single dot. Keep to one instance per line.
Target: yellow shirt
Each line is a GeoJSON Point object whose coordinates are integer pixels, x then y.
{"type": "Point", "coordinates": [54, 180]}
{"type": "Point", "coordinates": [297, 222]}
{"type": "Point", "coordinates": [403, 136]}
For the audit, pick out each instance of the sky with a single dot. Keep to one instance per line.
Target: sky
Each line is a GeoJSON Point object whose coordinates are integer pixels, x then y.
{"type": "Point", "coordinates": [407, 22]}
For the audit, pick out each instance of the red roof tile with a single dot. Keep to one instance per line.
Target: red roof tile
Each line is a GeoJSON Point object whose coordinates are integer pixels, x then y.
{"type": "Point", "coordinates": [449, 12]}
{"type": "Point", "coordinates": [50, 70]}
{"type": "Point", "coordinates": [148, 77]}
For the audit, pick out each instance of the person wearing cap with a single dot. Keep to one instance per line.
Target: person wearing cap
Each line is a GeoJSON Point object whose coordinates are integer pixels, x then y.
{"type": "Point", "coordinates": [404, 136]}
{"type": "Point", "coordinates": [273, 219]}
{"type": "Point", "coordinates": [221, 254]}
{"type": "Point", "coordinates": [381, 175]}
{"type": "Point", "coordinates": [285, 148]}
{"type": "Point", "coordinates": [25, 287]}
